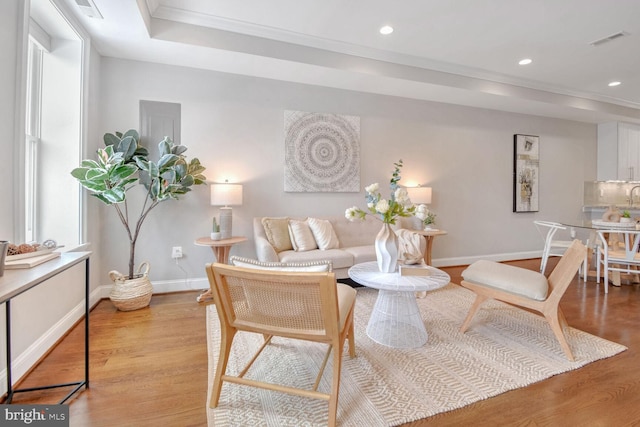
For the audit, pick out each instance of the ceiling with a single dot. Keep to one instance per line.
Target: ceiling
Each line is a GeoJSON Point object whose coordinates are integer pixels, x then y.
{"type": "Point", "coordinates": [455, 51]}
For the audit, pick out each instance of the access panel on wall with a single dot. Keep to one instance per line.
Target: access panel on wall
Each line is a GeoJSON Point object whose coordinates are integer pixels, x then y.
{"type": "Point", "coordinates": [526, 162]}
{"type": "Point", "coordinates": [322, 152]}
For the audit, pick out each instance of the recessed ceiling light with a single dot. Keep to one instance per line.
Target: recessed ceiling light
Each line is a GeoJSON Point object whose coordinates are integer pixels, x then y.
{"type": "Point", "coordinates": [386, 30]}
{"type": "Point", "coordinates": [525, 61]}
{"type": "Point", "coordinates": [612, 84]}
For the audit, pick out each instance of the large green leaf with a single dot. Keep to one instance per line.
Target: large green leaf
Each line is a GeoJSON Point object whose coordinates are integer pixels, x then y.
{"type": "Point", "coordinates": [114, 195]}
{"type": "Point", "coordinates": [79, 173]}
{"type": "Point", "coordinates": [178, 149]}
{"type": "Point", "coordinates": [96, 175]}
{"type": "Point", "coordinates": [153, 170]}
{"type": "Point", "coordinates": [122, 172]}
{"type": "Point", "coordinates": [110, 139]}
{"type": "Point", "coordinates": [88, 163]}
{"type": "Point", "coordinates": [95, 186]}
{"type": "Point", "coordinates": [127, 147]}
{"type": "Point", "coordinates": [167, 161]}
{"type": "Point", "coordinates": [164, 146]}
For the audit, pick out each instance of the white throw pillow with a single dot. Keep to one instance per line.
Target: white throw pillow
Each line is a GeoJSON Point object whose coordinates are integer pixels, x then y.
{"type": "Point", "coordinates": [307, 267]}
{"type": "Point", "coordinates": [323, 233]}
{"type": "Point", "coordinates": [301, 236]}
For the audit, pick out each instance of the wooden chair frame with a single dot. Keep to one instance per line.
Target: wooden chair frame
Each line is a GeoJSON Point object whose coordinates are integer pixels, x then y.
{"type": "Point", "coordinates": [558, 280]}
{"type": "Point", "coordinates": [230, 285]}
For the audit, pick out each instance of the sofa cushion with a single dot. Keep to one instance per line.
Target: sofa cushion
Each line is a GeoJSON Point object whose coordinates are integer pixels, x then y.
{"type": "Point", "coordinates": [324, 234]}
{"type": "Point", "coordinates": [515, 280]}
{"type": "Point", "coordinates": [338, 257]}
{"type": "Point", "coordinates": [277, 232]}
{"type": "Point", "coordinates": [362, 253]}
{"type": "Point", "coordinates": [301, 236]}
{"type": "Point", "coordinates": [310, 266]}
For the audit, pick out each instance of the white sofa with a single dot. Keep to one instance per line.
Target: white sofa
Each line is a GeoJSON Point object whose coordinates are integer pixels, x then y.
{"type": "Point", "coordinates": [355, 244]}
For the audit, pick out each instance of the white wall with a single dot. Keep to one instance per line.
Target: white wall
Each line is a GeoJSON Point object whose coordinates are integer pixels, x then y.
{"type": "Point", "coordinates": [234, 124]}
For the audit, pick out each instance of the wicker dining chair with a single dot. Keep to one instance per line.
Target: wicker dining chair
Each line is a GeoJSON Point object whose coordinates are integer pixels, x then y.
{"type": "Point", "coordinates": [307, 306]}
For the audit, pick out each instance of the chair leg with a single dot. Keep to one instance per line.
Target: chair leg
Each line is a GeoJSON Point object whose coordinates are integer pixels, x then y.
{"type": "Point", "coordinates": [556, 326]}
{"type": "Point", "coordinates": [472, 312]}
{"type": "Point", "coordinates": [335, 386]}
{"type": "Point", "coordinates": [352, 341]}
{"type": "Point", "coordinates": [226, 340]}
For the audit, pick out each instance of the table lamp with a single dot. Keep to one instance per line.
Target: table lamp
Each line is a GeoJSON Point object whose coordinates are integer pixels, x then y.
{"type": "Point", "coordinates": [420, 195]}
{"type": "Point", "coordinates": [226, 195]}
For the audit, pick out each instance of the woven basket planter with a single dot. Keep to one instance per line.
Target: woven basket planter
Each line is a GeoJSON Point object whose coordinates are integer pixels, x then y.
{"type": "Point", "coordinates": [131, 294]}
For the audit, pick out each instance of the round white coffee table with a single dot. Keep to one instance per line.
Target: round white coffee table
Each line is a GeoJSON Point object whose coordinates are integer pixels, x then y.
{"type": "Point", "coordinates": [395, 320]}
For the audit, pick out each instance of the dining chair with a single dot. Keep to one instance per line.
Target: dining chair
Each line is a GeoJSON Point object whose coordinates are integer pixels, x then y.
{"type": "Point", "coordinates": [308, 306]}
{"type": "Point", "coordinates": [552, 247]}
{"type": "Point", "coordinates": [617, 253]}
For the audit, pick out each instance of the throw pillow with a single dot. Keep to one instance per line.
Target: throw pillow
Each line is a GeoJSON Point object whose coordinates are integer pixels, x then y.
{"type": "Point", "coordinates": [301, 236]}
{"type": "Point", "coordinates": [323, 233]}
{"type": "Point", "coordinates": [308, 267]}
{"type": "Point", "coordinates": [277, 231]}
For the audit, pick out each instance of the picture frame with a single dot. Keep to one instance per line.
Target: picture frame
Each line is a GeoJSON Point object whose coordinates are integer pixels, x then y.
{"type": "Point", "coordinates": [526, 173]}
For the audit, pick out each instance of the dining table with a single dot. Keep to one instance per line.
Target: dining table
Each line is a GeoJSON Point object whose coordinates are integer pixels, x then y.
{"type": "Point", "coordinates": [590, 228]}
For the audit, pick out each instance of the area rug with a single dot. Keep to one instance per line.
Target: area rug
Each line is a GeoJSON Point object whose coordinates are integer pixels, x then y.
{"type": "Point", "coordinates": [504, 349]}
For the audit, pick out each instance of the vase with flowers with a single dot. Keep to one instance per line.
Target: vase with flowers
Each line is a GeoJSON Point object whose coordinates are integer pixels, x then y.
{"type": "Point", "coordinates": [387, 210]}
{"type": "Point", "coordinates": [427, 217]}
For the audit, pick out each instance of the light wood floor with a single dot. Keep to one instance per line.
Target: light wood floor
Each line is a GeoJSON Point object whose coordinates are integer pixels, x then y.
{"type": "Point", "coordinates": [149, 368]}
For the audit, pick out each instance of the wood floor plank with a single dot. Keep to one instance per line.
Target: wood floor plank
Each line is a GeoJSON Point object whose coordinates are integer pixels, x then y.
{"type": "Point", "coordinates": [149, 368]}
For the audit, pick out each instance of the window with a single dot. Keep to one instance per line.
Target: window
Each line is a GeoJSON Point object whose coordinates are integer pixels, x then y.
{"type": "Point", "coordinates": [53, 128]}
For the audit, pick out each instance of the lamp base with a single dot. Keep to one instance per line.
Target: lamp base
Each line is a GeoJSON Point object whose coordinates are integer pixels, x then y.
{"type": "Point", "coordinates": [226, 222]}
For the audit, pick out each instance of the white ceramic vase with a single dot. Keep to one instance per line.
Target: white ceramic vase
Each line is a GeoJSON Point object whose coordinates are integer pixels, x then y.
{"type": "Point", "coordinates": [386, 245]}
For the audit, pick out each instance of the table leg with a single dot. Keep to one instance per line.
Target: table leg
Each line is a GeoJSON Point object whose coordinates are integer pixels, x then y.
{"type": "Point", "coordinates": [427, 252]}
{"type": "Point", "coordinates": [396, 322]}
{"type": "Point", "coordinates": [221, 254]}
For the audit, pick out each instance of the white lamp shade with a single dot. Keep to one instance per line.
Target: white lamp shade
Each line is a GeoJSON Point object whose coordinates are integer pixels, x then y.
{"type": "Point", "coordinates": [419, 195]}
{"type": "Point", "coordinates": [226, 194]}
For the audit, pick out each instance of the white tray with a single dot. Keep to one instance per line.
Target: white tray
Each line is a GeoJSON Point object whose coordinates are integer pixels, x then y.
{"type": "Point", "coordinates": [39, 252]}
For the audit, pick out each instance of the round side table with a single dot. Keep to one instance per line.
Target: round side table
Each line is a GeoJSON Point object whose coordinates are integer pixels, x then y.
{"type": "Point", "coordinates": [395, 320]}
{"type": "Point", "coordinates": [221, 249]}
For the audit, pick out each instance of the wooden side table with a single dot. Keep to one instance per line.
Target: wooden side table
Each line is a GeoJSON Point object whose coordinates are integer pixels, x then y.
{"type": "Point", "coordinates": [429, 235]}
{"type": "Point", "coordinates": [221, 249]}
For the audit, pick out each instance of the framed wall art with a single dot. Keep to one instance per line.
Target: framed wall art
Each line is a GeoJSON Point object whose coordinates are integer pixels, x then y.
{"type": "Point", "coordinates": [322, 152]}
{"type": "Point", "coordinates": [526, 178]}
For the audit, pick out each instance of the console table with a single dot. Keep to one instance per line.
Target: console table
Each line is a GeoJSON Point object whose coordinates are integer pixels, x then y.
{"type": "Point", "coordinates": [16, 282]}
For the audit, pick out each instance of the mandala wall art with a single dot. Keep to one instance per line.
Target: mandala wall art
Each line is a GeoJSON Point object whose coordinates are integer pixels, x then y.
{"type": "Point", "coordinates": [322, 152]}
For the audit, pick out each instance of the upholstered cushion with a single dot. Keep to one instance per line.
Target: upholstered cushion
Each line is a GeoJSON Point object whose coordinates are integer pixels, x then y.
{"type": "Point", "coordinates": [346, 299]}
{"type": "Point", "coordinates": [277, 231]}
{"type": "Point", "coordinates": [323, 233]}
{"type": "Point", "coordinates": [323, 266]}
{"type": "Point", "coordinates": [301, 236]}
{"type": "Point", "coordinates": [515, 280]}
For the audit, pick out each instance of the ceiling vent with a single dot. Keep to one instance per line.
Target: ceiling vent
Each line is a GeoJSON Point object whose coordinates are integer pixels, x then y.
{"type": "Point", "coordinates": [599, 41]}
{"type": "Point", "coordinates": [89, 8]}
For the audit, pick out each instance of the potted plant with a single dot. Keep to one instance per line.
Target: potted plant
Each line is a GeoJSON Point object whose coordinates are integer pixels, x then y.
{"type": "Point", "coordinates": [215, 230]}
{"type": "Point", "coordinates": [626, 216]}
{"type": "Point", "coordinates": [120, 166]}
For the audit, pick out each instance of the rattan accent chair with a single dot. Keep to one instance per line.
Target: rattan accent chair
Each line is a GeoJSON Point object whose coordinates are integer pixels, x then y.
{"type": "Point", "coordinates": [299, 305]}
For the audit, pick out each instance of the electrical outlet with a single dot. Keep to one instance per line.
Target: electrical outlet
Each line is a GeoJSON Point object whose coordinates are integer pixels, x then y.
{"type": "Point", "coordinates": [176, 252]}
